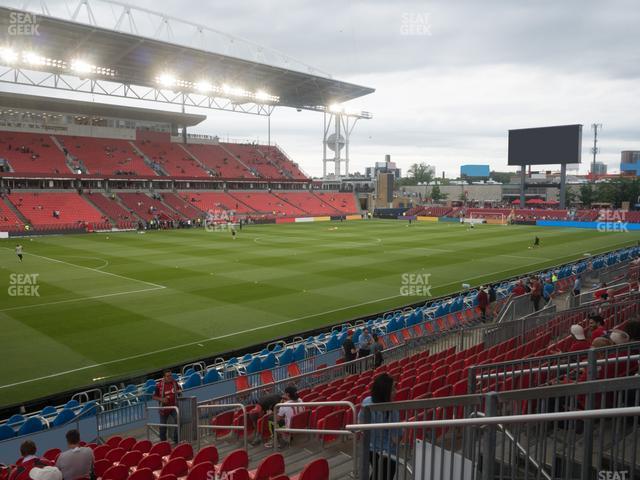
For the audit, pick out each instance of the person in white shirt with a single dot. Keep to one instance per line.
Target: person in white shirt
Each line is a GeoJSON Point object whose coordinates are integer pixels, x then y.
{"type": "Point", "coordinates": [285, 414]}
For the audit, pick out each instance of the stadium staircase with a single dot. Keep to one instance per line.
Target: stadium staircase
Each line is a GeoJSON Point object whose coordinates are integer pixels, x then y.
{"type": "Point", "coordinates": [227, 147]}
{"type": "Point", "coordinates": [155, 166]}
{"type": "Point", "coordinates": [13, 215]}
{"type": "Point", "coordinates": [192, 156]}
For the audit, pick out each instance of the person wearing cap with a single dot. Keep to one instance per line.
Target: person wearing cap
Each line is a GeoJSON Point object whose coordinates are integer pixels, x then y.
{"type": "Point", "coordinates": [27, 461]}
{"type": "Point", "coordinates": [285, 414]}
{"type": "Point", "coordinates": [45, 473]}
{"type": "Point", "coordinates": [578, 339]}
{"type": "Point", "coordinates": [77, 461]}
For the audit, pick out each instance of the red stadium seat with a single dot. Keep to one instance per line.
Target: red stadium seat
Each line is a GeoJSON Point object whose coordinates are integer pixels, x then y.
{"type": "Point", "coordinates": [316, 470]}
{"type": "Point", "coordinates": [206, 454]}
{"type": "Point", "coordinates": [177, 466]}
{"type": "Point", "coordinates": [116, 472]}
{"type": "Point", "coordinates": [142, 474]}
{"type": "Point", "coordinates": [161, 448]}
{"type": "Point", "coordinates": [233, 461]}
{"type": "Point", "coordinates": [183, 450]}
{"type": "Point", "coordinates": [153, 461]}
{"type": "Point", "coordinates": [269, 467]}
{"type": "Point", "coordinates": [143, 446]}
{"type": "Point", "coordinates": [202, 471]}
{"type": "Point", "coordinates": [131, 458]}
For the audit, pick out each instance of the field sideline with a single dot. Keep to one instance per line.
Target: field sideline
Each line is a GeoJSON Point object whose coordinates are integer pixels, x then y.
{"type": "Point", "coordinates": [113, 305]}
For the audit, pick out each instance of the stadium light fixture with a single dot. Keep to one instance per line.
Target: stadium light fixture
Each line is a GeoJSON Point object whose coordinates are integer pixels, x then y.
{"type": "Point", "coordinates": [335, 108]}
{"type": "Point", "coordinates": [81, 66]}
{"type": "Point", "coordinates": [8, 55]}
{"type": "Point", "coordinates": [204, 87]}
{"type": "Point", "coordinates": [167, 79]}
{"type": "Point", "coordinates": [32, 58]}
{"type": "Point", "coordinates": [263, 96]}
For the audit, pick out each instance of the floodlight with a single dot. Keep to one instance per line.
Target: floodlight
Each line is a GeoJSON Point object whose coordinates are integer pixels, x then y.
{"type": "Point", "coordinates": [335, 108]}
{"type": "Point", "coordinates": [263, 96]}
{"type": "Point", "coordinates": [81, 66]}
{"type": "Point", "coordinates": [32, 58]}
{"type": "Point", "coordinates": [203, 86]}
{"type": "Point", "coordinates": [234, 90]}
{"type": "Point", "coordinates": [8, 55]}
{"type": "Point", "coordinates": [167, 79]}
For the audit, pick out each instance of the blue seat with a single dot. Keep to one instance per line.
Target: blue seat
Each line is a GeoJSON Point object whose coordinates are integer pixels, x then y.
{"type": "Point", "coordinates": [332, 343]}
{"type": "Point", "coordinates": [131, 389]}
{"type": "Point", "coordinates": [89, 409]}
{"type": "Point", "coordinates": [149, 383]}
{"type": "Point", "coordinates": [65, 416]}
{"type": "Point", "coordinates": [254, 366]}
{"type": "Point", "coordinates": [264, 351]}
{"type": "Point", "coordinates": [15, 420]}
{"type": "Point", "coordinates": [299, 353]}
{"type": "Point", "coordinates": [247, 358]}
{"type": "Point", "coordinates": [49, 411]}
{"type": "Point", "coordinates": [32, 425]}
{"type": "Point", "coordinates": [211, 376]}
{"type": "Point", "coordinates": [286, 357]}
{"type": "Point", "coordinates": [71, 404]}
{"type": "Point", "coordinates": [6, 432]}
{"type": "Point", "coordinates": [195, 380]}
{"type": "Point", "coordinates": [190, 371]}
{"type": "Point", "coordinates": [269, 362]}
{"type": "Point", "coordinates": [278, 348]}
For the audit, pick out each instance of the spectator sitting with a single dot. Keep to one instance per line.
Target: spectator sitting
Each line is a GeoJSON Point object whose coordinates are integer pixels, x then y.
{"type": "Point", "coordinates": [578, 340]}
{"type": "Point", "coordinates": [27, 461]}
{"type": "Point", "coordinates": [77, 461]}
{"type": "Point", "coordinates": [518, 289]}
{"type": "Point", "coordinates": [596, 326]}
{"type": "Point", "coordinates": [264, 407]}
{"type": "Point", "coordinates": [285, 414]}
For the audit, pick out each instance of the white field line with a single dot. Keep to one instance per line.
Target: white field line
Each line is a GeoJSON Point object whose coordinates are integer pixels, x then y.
{"type": "Point", "coordinates": [228, 335]}
{"type": "Point", "coordinates": [81, 299]}
{"type": "Point", "coordinates": [91, 269]}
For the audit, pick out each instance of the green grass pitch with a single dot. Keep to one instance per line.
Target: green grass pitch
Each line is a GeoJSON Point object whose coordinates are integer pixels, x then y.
{"type": "Point", "coordinates": [113, 305]}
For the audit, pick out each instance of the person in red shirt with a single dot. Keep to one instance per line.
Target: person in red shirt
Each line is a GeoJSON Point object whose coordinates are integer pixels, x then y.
{"type": "Point", "coordinates": [578, 339]}
{"type": "Point", "coordinates": [483, 302]}
{"type": "Point", "coordinates": [27, 462]}
{"type": "Point", "coordinates": [518, 289]}
{"type": "Point", "coordinates": [536, 293]}
{"type": "Point", "coordinates": [167, 391]}
{"type": "Point", "coordinates": [596, 326]}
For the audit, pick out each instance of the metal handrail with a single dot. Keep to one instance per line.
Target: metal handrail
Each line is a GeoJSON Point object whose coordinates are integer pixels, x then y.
{"type": "Point", "coordinates": [506, 419]}
{"type": "Point", "coordinates": [168, 425]}
{"type": "Point", "coordinates": [350, 405]}
{"type": "Point", "coordinates": [228, 406]}
{"type": "Point", "coordinates": [518, 445]}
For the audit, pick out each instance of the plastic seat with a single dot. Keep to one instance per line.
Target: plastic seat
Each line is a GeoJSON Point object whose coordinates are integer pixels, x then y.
{"type": "Point", "coordinates": [202, 471]}
{"type": "Point", "coordinates": [143, 446]}
{"type": "Point", "coordinates": [271, 466]}
{"type": "Point", "coordinates": [127, 443]}
{"type": "Point", "coordinates": [316, 470]}
{"type": "Point", "coordinates": [233, 461]}
{"type": "Point", "coordinates": [153, 462]}
{"type": "Point", "coordinates": [101, 466]}
{"type": "Point", "coordinates": [101, 451]}
{"type": "Point", "coordinates": [116, 472]}
{"type": "Point", "coordinates": [114, 441]}
{"type": "Point", "coordinates": [206, 454]}
{"type": "Point", "coordinates": [131, 459]}
{"type": "Point", "coordinates": [115, 454]}
{"type": "Point", "coordinates": [65, 416]}
{"type": "Point", "coordinates": [176, 466]}
{"type": "Point", "coordinates": [6, 432]}
{"type": "Point", "coordinates": [238, 474]}
{"type": "Point", "coordinates": [52, 454]}
{"type": "Point", "coordinates": [161, 448]}
{"type": "Point", "coordinates": [184, 450]}
{"type": "Point", "coordinates": [142, 474]}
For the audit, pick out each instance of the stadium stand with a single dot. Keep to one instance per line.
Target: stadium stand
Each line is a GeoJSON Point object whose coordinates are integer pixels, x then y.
{"type": "Point", "coordinates": [32, 153]}
{"type": "Point", "coordinates": [57, 210]}
{"type": "Point", "coordinates": [276, 156]}
{"type": "Point", "coordinates": [172, 159]}
{"type": "Point", "coordinates": [146, 207]}
{"type": "Point", "coordinates": [180, 205]}
{"type": "Point", "coordinates": [344, 202]}
{"type": "Point", "coordinates": [121, 217]}
{"type": "Point", "coordinates": [255, 159]}
{"type": "Point", "coordinates": [308, 203]}
{"type": "Point", "coordinates": [223, 163]}
{"type": "Point", "coordinates": [263, 202]}
{"type": "Point", "coordinates": [211, 201]}
{"type": "Point", "coordinates": [103, 156]}
{"type": "Point", "coordinates": [9, 221]}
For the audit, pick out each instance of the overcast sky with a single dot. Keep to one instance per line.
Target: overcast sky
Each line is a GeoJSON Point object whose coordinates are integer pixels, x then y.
{"type": "Point", "coordinates": [451, 77]}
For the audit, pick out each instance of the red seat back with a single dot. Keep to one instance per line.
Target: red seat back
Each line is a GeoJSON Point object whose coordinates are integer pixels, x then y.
{"type": "Point", "coordinates": [114, 441]}
{"type": "Point", "coordinates": [184, 450]}
{"type": "Point", "coordinates": [316, 470]}
{"type": "Point", "coordinates": [52, 454]}
{"type": "Point", "coordinates": [153, 461]}
{"type": "Point", "coordinates": [269, 467]}
{"type": "Point", "coordinates": [206, 454]}
{"type": "Point", "coordinates": [202, 471]}
{"type": "Point", "coordinates": [116, 472]}
{"type": "Point", "coordinates": [142, 474]}
{"type": "Point", "coordinates": [101, 466]}
{"type": "Point", "coordinates": [131, 459]}
{"type": "Point", "coordinates": [127, 443]}
{"type": "Point", "coordinates": [161, 448]}
{"type": "Point", "coordinates": [143, 446]}
{"type": "Point", "coordinates": [177, 466]}
{"type": "Point", "coordinates": [236, 459]}
{"type": "Point", "coordinates": [115, 454]}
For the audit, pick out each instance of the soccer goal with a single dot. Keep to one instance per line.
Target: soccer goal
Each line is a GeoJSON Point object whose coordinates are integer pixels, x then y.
{"type": "Point", "coordinates": [493, 218]}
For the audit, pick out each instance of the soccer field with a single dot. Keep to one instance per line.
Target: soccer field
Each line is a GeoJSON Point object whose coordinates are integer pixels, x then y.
{"type": "Point", "coordinates": [113, 305]}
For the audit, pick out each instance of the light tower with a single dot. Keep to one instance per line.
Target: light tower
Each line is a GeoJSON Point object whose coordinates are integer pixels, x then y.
{"type": "Point", "coordinates": [595, 150]}
{"type": "Point", "coordinates": [338, 126]}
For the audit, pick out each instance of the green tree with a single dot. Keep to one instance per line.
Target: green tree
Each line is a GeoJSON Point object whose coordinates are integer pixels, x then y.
{"type": "Point", "coordinates": [437, 195]}
{"type": "Point", "coordinates": [587, 195]}
{"type": "Point", "coordinates": [501, 177]}
{"type": "Point", "coordinates": [421, 173]}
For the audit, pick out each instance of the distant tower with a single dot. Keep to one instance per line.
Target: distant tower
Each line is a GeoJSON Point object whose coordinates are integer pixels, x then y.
{"type": "Point", "coordinates": [595, 150]}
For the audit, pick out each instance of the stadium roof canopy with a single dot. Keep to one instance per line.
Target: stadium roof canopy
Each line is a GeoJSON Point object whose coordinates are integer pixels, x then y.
{"type": "Point", "coordinates": [93, 109]}
{"type": "Point", "coordinates": [95, 58]}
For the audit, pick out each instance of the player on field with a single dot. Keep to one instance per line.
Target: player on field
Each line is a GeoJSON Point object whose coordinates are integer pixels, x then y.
{"type": "Point", "coordinates": [536, 242]}
{"type": "Point", "coordinates": [19, 251]}
{"type": "Point", "coordinates": [233, 232]}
